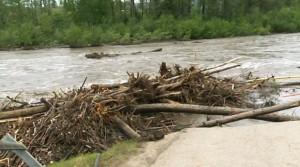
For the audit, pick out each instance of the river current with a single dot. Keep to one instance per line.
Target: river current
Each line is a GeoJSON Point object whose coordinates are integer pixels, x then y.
{"type": "Point", "coordinates": [38, 72]}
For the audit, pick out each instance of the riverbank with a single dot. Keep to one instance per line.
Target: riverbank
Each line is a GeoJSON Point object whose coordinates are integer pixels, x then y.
{"type": "Point", "coordinates": [38, 47]}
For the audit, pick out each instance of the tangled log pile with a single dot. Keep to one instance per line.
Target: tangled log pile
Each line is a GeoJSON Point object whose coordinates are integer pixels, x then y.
{"type": "Point", "coordinates": [91, 119]}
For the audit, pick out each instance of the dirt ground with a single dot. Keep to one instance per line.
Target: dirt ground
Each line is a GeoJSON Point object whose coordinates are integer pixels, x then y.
{"type": "Point", "coordinates": [259, 145]}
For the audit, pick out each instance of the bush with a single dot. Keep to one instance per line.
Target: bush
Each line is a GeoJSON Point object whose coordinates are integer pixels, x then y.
{"type": "Point", "coordinates": [74, 36]}
{"type": "Point", "coordinates": [148, 24]}
{"type": "Point", "coordinates": [59, 37]}
{"type": "Point", "coordinates": [141, 36]}
{"type": "Point", "coordinates": [26, 34]}
{"type": "Point", "coordinates": [159, 35]}
{"type": "Point", "coordinates": [242, 27]}
{"type": "Point", "coordinates": [285, 20]}
{"type": "Point", "coordinates": [97, 34]}
{"type": "Point", "coordinates": [9, 38]}
{"type": "Point", "coordinates": [217, 28]}
{"type": "Point", "coordinates": [166, 23]}
{"type": "Point", "coordinates": [125, 39]}
{"type": "Point", "coordinates": [189, 29]}
{"type": "Point", "coordinates": [121, 28]}
{"type": "Point", "coordinates": [111, 37]}
{"type": "Point", "coordinates": [38, 37]}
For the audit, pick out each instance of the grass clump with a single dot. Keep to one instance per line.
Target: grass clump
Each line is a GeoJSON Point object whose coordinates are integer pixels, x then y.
{"type": "Point", "coordinates": [86, 160]}
{"type": "Point", "coordinates": [112, 157]}
{"type": "Point", "coordinates": [119, 153]}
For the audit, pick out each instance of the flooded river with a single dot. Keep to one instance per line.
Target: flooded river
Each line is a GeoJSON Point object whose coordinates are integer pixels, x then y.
{"type": "Point", "coordinates": [37, 72]}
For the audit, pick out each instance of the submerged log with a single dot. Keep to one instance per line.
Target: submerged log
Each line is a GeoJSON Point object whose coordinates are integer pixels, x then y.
{"type": "Point", "coordinates": [96, 55]}
{"type": "Point", "coordinates": [249, 114]}
{"type": "Point", "coordinates": [156, 50]}
{"type": "Point", "coordinates": [208, 110]}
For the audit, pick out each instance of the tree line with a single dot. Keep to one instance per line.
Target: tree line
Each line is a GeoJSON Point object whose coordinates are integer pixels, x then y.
{"type": "Point", "coordinates": [94, 22]}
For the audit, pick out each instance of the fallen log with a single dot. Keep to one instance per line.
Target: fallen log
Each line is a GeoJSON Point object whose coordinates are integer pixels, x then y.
{"type": "Point", "coordinates": [156, 50]}
{"type": "Point", "coordinates": [274, 78]}
{"type": "Point", "coordinates": [249, 114]}
{"type": "Point", "coordinates": [23, 112]}
{"type": "Point", "coordinates": [208, 110]}
{"type": "Point", "coordinates": [100, 55]}
{"type": "Point", "coordinates": [290, 84]}
{"type": "Point", "coordinates": [223, 64]}
{"type": "Point", "coordinates": [129, 132]}
{"type": "Point", "coordinates": [223, 69]}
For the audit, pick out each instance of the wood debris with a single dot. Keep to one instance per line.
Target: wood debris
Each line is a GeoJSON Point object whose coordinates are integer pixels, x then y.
{"type": "Point", "coordinates": [91, 119]}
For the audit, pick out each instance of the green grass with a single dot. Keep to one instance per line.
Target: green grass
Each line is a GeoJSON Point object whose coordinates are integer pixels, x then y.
{"type": "Point", "coordinates": [118, 153]}
{"type": "Point", "coordinates": [86, 160]}
{"type": "Point", "coordinates": [112, 157]}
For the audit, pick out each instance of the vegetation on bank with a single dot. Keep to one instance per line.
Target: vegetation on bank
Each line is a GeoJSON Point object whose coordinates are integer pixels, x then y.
{"type": "Point", "coordinates": [113, 157]}
{"type": "Point", "coordinates": [80, 23]}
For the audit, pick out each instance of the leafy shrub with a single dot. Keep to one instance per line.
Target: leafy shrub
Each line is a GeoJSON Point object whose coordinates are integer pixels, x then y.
{"type": "Point", "coordinates": [284, 20]}
{"type": "Point", "coordinates": [26, 34]}
{"type": "Point", "coordinates": [74, 36]}
{"type": "Point", "coordinates": [9, 38]}
{"type": "Point", "coordinates": [216, 28]}
{"type": "Point", "coordinates": [121, 28]}
{"type": "Point", "coordinates": [148, 24]}
{"type": "Point", "coordinates": [166, 23]}
{"type": "Point", "coordinates": [110, 36]}
{"type": "Point", "coordinates": [125, 39]}
{"type": "Point", "coordinates": [189, 29]}
{"type": "Point", "coordinates": [38, 37]}
{"type": "Point", "coordinates": [159, 35]}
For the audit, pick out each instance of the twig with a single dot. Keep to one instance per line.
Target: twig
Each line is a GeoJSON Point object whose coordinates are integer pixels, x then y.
{"type": "Point", "coordinates": [223, 69]}
{"type": "Point", "coordinates": [272, 77]}
{"type": "Point", "coordinates": [79, 91]}
{"type": "Point", "coordinates": [17, 101]}
{"type": "Point", "coordinates": [223, 64]}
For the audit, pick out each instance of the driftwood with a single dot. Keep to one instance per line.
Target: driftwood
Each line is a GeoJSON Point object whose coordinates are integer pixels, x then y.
{"type": "Point", "coordinates": [290, 84]}
{"type": "Point", "coordinates": [96, 55]}
{"type": "Point", "coordinates": [129, 132]}
{"type": "Point", "coordinates": [249, 114]}
{"type": "Point", "coordinates": [223, 64]}
{"type": "Point", "coordinates": [223, 69]}
{"type": "Point", "coordinates": [23, 112]}
{"type": "Point", "coordinates": [208, 110]}
{"type": "Point", "coordinates": [89, 119]}
{"type": "Point", "coordinates": [156, 50]}
{"type": "Point", "coordinates": [272, 77]}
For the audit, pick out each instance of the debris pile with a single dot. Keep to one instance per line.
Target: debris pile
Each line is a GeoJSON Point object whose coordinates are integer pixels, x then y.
{"type": "Point", "coordinates": [91, 119]}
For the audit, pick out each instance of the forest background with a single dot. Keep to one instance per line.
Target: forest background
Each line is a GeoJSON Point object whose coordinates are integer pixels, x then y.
{"type": "Point", "coordinates": [80, 23]}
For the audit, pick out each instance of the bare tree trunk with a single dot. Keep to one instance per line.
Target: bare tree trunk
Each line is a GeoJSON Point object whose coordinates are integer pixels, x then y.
{"type": "Point", "coordinates": [249, 114]}
{"type": "Point", "coordinates": [129, 132]}
{"type": "Point", "coordinates": [208, 110]}
{"type": "Point", "coordinates": [23, 112]}
{"type": "Point", "coordinates": [132, 8]}
{"type": "Point", "coordinates": [204, 8]}
{"type": "Point", "coordinates": [112, 4]}
{"type": "Point", "coordinates": [142, 7]}
{"type": "Point", "coordinates": [226, 9]}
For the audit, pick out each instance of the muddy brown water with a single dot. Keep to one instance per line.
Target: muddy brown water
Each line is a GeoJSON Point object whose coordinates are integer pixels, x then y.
{"type": "Point", "coordinates": [38, 72]}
